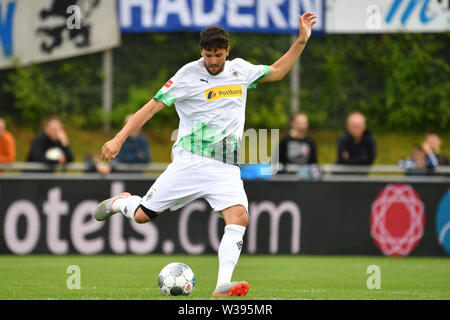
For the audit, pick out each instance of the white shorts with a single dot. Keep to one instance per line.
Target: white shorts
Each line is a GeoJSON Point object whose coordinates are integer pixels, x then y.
{"type": "Point", "coordinates": [190, 177]}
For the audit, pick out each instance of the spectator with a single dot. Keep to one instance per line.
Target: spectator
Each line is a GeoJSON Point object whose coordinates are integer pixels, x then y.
{"type": "Point", "coordinates": [297, 147]}
{"type": "Point", "coordinates": [51, 145]}
{"type": "Point", "coordinates": [135, 149]}
{"type": "Point", "coordinates": [94, 164]}
{"type": "Point", "coordinates": [7, 144]}
{"type": "Point", "coordinates": [357, 145]}
{"type": "Point", "coordinates": [433, 144]}
{"type": "Point", "coordinates": [422, 160]}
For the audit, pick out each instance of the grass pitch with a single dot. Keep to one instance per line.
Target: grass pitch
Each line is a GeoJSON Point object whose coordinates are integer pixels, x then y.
{"type": "Point", "coordinates": [270, 277]}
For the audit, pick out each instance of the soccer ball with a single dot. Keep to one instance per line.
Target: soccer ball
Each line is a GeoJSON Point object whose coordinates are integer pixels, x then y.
{"type": "Point", "coordinates": [176, 279]}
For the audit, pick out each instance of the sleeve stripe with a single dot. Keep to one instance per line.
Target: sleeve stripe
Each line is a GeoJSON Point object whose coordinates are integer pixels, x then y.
{"type": "Point", "coordinates": [254, 84]}
{"type": "Point", "coordinates": [165, 98]}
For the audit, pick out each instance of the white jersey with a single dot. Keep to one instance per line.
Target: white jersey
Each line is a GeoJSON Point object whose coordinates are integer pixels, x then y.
{"type": "Point", "coordinates": [211, 107]}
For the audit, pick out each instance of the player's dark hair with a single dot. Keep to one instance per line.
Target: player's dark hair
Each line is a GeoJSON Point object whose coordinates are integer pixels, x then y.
{"type": "Point", "coordinates": [214, 37]}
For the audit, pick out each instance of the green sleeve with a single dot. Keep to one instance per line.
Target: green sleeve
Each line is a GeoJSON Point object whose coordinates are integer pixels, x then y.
{"type": "Point", "coordinates": [166, 98]}
{"type": "Point", "coordinates": [254, 84]}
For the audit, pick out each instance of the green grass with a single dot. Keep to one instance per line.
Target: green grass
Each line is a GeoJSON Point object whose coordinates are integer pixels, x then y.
{"type": "Point", "coordinates": [270, 277]}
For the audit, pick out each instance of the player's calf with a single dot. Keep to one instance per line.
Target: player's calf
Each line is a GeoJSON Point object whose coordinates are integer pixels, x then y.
{"type": "Point", "coordinates": [140, 216]}
{"type": "Point", "coordinates": [143, 215]}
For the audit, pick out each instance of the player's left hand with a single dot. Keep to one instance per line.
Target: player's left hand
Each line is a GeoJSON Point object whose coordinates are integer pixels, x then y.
{"type": "Point", "coordinates": [306, 23]}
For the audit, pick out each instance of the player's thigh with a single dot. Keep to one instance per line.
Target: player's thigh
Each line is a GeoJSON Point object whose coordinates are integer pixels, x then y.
{"type": "Point", "coordinates": [175, 187]}
{"type": "Point", "coordinates": [231, 201]}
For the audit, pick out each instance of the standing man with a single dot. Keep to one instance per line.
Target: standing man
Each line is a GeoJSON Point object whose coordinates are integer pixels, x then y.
{"type": "Point", "coordinates": [209, 96]}
{"type": "Point", "coordinates": [357, 145]}
{"type": "Point", "coordinates": [135, 149]}
{"type": "Point", "coordinates": [297, 147]}
{"type": "Point", "coordinates": [432, 146]}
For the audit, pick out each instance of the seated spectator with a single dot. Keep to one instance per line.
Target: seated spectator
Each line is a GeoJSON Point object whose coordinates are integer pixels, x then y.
{"type": "Point", "coordinates": [7, 144]}
{"type": "Point", "coordinates": [433, 143]}
{"type": "Point", "coordinates": [94, 164]}
{"type": "Point", "coordinates": [422, 160]}
{"type": "Point", "coordinates": [297, 147]}
{"type": "Point", "coordinates": [135, 149]}
{"type": "Point", "coordinates": [357, 146]}
{"type": "Point", "coordinates": [51, 145]}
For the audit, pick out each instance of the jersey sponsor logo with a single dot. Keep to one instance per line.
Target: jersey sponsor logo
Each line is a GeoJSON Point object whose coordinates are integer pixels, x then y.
{"type": "Point", "coordinates": [223, 92]}
{"type": "Point", "coordinates": [397, 220]}
{"type": "Point", "coordinates": [168, 84]}
{"type": "Point", "coordinates": [211, 95]}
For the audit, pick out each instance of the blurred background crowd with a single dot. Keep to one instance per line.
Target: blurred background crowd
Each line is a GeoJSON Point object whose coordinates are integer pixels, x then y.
{"type": "Point", "coordinates": [358, 96]}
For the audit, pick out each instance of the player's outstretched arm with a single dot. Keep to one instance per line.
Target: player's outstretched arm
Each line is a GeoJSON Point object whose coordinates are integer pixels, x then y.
{"type": "Point", "coordinates": [283, 65]}
{"type": "Point", "coordinates": [111, 148]}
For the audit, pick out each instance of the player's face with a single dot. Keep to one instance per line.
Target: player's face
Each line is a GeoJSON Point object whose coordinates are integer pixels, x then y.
{"type": "Point", "coordinates": [214, 59]}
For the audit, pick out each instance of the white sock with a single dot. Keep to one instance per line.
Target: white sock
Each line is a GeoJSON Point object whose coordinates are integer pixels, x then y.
{"type": "Point", "coordinates": [229, 251]}
{"type": "Point", "coordinates": [127, 205]}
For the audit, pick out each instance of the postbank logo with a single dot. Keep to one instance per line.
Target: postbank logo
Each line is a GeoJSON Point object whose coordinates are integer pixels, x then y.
{"type": "Point", "coordinates": [223, 92]}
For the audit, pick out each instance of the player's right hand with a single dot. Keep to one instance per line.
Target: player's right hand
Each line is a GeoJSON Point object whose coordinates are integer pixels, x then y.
{"type": "Point", "coordinates": [111, 149]}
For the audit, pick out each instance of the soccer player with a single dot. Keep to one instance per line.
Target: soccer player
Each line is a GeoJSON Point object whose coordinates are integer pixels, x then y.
{"type": "Point", "coordinates": [209, 96]}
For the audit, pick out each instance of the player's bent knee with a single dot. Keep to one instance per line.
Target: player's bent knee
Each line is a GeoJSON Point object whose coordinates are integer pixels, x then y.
{"type": "Point", "coordinates": [241, 216]}
{"type": "Point", "coordinates": [244, 219]}
{"type": "Point", "coordinates": [236, 215]}
{"type": "Point", "coordinates": [140, 216]}
{"type": "Point", "coordinates": [143, 214]}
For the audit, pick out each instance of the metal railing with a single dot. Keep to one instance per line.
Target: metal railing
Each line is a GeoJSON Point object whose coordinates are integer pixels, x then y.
{"type": "Point", "coordinates": [77, 167]}
{"type": "Point", "coordinates": [324, 170]}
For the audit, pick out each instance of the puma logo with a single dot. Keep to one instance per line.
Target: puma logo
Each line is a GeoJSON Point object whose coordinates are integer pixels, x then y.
{"type": "Point", "coordinates": [205, 80]}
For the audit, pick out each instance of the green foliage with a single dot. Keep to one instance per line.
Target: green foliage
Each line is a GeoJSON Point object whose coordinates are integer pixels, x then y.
{"type": "Point", "coordinates": [400, 81]}
{"type": "Point", "coordinates": [139, 96]}
{"type": "Point", "coordinates": [261, 113]}
{"type": "Point", "coordinates": [32, 93]}
{"type": "Point", "coordinates": [68, 88]}
{"type": "Point", "coordinates": [416, 85]}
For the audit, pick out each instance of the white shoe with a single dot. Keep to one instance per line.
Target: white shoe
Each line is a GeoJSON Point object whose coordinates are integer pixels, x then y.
{"type": "Point", "coordinates": [105, 209]}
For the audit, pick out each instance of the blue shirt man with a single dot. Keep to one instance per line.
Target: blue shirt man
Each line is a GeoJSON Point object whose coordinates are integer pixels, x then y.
{"type": "Point", "coordinates": [136, 148]}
